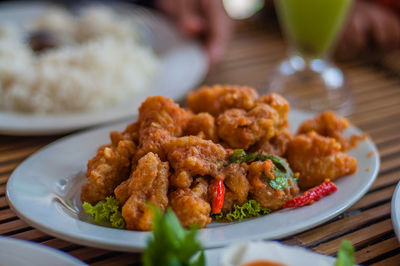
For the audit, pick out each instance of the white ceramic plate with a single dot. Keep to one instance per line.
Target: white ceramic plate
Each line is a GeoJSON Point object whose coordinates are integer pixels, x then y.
{"type": "Point", "coordinates": [396, 211]}
{"type": "Point", "coordinates": [18, 252]}
{"type": "Point", "coordinates": [183, 66]}
{"type": "Point", "coordinates": [58, 169]}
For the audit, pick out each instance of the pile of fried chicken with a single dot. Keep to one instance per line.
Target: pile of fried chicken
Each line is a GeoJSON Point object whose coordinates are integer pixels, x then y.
{"type": "Point", "coordinates": [176, 157]}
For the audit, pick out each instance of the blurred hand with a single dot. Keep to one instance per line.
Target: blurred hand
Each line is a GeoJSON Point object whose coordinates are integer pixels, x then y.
{"type": "Point", "coordinates": [370, 26]}
{"type": "Point", "coordinates": [205, 19]}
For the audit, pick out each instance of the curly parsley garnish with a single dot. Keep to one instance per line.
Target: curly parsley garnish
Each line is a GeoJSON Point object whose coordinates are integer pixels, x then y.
{"type": "Point", "coordinates": [282, 171]}
{"type": "Point", "coordinates": [248, 210]}
{"type": "Point", "coordinates": [105, 212]}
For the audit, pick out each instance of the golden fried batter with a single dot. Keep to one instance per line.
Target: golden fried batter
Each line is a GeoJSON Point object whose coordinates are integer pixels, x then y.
{"type": "Point", "coordinates": [108, 168]}
{"type": "Point", "coordinates": [277, 145]}
{"type": "Point", "coordinates": [328, 124]}
{"type": "Point", "coordinates": [202, 124]}
{"type": "Point", "coordinates": [317, 158]}
{"type": "Point", "coordinates": [131, 132]}
{"type": "Point", "coordinates": [148, 183]}
{"type": "Point", "coordinates": [237, 185]}
{"type": "Point", "coordinates": [241, 129]}
{"type": "Point", "coordinates": [262, 192]}
{"type": "Point", "coordinates": [190, 156]}
{"type": "Point", "coordinates": [280, 104]}
{"type": "Point", "coordinates": [163, 113]}
{"type": "Point", "coordinates": [152, 139]}
{"type": "Point", "coordinates": [219, 98]}
{"type": "Point", "coordinates": [200, 188]}
{"type": "Point", "coordinates": [191, 209]}
{"type": "Point", "coordinates": [159, 119]}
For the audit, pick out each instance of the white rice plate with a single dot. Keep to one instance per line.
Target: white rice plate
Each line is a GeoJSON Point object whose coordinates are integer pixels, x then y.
{"type": "Point", "coordinates": [101, 64]}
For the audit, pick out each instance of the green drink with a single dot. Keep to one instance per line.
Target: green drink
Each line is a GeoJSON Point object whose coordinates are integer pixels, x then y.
{"type": "Point", "coordinates": [312, 25]}
{"type": "Point", "coordinates": [307, 78]}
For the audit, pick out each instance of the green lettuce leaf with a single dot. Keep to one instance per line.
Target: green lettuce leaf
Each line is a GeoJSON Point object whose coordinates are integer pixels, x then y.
{"type": "Point", "coordinates": [171, 244]}
{"type": "Point", "coordinates": [345, 255]}
{"type": "Point", "coordinates": [249, 209]}
{"type": "Point", "coordinates": [105, 212]}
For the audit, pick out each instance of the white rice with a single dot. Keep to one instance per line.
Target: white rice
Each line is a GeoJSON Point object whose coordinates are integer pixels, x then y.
{"type": "Point", "coordinates": [102, 65]}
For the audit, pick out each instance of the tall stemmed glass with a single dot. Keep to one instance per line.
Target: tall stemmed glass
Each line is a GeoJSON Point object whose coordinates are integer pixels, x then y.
{"type": "Point", "coordinates": [307, 78]}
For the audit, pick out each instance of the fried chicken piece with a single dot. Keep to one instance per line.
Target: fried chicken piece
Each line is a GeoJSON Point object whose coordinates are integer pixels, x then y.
{"type": "Point", "coordinates": [159, 119]}
{"type": "Point", "coordinates": [219, 98]}
{"type": "Point", "coordinates": [277, 145]}
{"type": "Point", "coordinates": [148, 183]}
{"type": "Point", "coordinates": [123, 191]}
{"type": "Point", "coordinates": [280, 104]}
{"type": "Point", "coordinates": [202, 124]}
{"type": "Point", "coordinates": [229, 200]}
{"type": "Point", "coordinates": [241, 129]}
{"type": "Point", "coordinates": [108, 168]}
{"type": "Point", "coordinates": [237, 185]}
{"type": "Point", "coordinates": [262, 192]}
{"type": "Point", "coordinates": [131, 132]}
{"type": "Point", "coordinates": [190, 209]}
{"type": "Point", "coordinates": [200, 188]}
{"type": "Point", "coordinates": [328, 124]}
{"type": "Point", "coordinates": [190, 156]}
{"type": "Point", "coordinates": [152, 139]}
{"type": "Point", "coordinates": [317, 158]}
{"type": "Point", "coordinates": [162, 112]}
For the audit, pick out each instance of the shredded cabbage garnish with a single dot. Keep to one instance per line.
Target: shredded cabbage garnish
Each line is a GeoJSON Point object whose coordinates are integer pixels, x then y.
{"type": "Point", "coordinates": [248, 210]}
{"type": "Point", "coordinates": [105, 212]}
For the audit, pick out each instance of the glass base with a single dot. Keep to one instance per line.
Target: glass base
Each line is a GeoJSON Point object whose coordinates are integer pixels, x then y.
{"type": "Point", "coordinates": [314, 85]}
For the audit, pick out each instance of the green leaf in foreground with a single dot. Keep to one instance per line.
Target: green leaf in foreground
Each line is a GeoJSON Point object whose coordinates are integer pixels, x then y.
{"type": "Point", "coordinates": [248, 210]}
{"type": "Point", "coordinates": [105, 212]}
{"type": "Point", "coordinates": [345, 255]}
{"type": "Point", "coordinates": [171, 244]}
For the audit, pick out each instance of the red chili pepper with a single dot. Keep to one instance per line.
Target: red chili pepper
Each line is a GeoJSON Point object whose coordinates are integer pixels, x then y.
{"type": "Point", "coordinates": [217, 192]}
{"type": "Point", "coordinates": [311, 195]}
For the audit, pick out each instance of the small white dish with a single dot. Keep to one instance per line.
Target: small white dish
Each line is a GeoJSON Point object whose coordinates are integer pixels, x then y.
{"type": "Point", "coordinates": [184, 65]}
{"type": "Point", "coordinates": [19, 252]}
{"type": "Point", "coordinates": [58, 170]}
{"type": "Point", "coordinates": [271, 251]}
{"type": "Point", "coordinates": [395, 211]}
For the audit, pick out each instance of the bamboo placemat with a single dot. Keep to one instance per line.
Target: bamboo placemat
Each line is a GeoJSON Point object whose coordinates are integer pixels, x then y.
{"type": "Point", "coordinates": [254, 51]}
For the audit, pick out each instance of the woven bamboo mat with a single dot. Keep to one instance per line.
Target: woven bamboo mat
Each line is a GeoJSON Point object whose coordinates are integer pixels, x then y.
{"type": "Point", "coordinates": [252, 54]}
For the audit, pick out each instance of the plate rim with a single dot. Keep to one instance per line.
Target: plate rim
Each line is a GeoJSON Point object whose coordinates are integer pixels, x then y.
{"type": "Point", "coordinates": [395, 213]}
{"type": "Point", "coordinates": [98, 241]}
{"type": "Point", "coordinates": [42, 250]}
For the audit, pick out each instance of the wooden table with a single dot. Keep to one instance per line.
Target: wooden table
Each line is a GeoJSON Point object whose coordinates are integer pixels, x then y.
{"type": "Point", "coordinates": [254, 51]}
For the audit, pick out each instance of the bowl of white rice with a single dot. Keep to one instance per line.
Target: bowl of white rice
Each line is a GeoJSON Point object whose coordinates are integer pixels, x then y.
{"type": "Point", "coordinates": [96, 60]}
